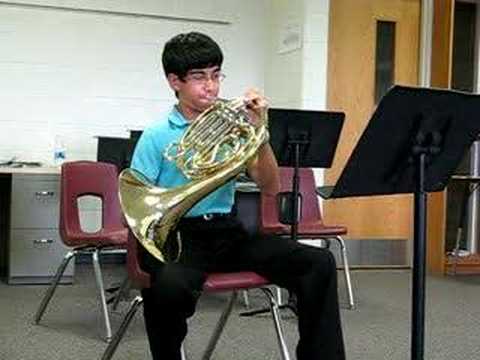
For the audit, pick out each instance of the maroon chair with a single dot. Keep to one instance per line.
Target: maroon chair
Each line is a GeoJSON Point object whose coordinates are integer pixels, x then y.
{"type": "Point", "coordinates": [310, 224]}
{"type": "Point", "coordinates": [81, 178]}
{"type": "Point", "coordinates": [216, 282]}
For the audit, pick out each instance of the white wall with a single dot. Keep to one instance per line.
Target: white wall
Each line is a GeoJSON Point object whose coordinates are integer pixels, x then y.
{"type": "Point", "coordinates": [315, 54]}
{"type": "Point", "coordinates": [284, 73]}
{"type": "Point", "coordinates": [298, 78]}
{"type": "Point", "coordinates": [84, 68]}
{"type": "Point", "coordinates": [210, 10]}
{"type": "Point", "coordinates": [80, 74]}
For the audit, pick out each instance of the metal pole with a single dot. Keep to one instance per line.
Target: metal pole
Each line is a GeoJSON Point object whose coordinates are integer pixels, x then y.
{"type": "Point", "coordinates": [295, 191]}
{"type": "Point", "coordinates": [472, 222]}
{"type": "Point", "coordinates": [419, 256]}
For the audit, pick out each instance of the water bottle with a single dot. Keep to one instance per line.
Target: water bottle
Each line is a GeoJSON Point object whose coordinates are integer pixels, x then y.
{"type": "Point", "coordinates": [59, 154]}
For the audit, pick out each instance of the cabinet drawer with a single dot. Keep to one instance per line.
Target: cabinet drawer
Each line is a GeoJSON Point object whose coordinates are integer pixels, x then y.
{"type": "Point", "coordinates": [36, 254]}
{"type": "Point", "coordinates": [35, 202]}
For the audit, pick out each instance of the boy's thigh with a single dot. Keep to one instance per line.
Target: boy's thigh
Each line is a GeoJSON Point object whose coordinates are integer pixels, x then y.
{"type": "Point", "coordinates": [283, 260]}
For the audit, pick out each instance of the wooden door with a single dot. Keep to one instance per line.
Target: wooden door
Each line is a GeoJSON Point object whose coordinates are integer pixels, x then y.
{"type": "Point", "coordinates": [351, 88]}
{"type": "Point", "coordinates": [441, 77]}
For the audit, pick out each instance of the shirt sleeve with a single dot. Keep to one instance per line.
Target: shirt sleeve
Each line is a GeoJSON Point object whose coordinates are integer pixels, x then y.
{"type": "Point", "coordinates": [147, 157]}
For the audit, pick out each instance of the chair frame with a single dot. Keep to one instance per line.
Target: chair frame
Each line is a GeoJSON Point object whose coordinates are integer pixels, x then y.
{"type": "Point", "coordinates": [95, 244]}
{"type": "Point", "coordinates": [218, 330]}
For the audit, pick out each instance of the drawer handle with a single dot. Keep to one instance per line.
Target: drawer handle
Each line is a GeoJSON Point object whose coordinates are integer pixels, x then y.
{"type": "Point", "coordinates": [44, 193]}
{"type": "Point", "coordinates": [43, 241]}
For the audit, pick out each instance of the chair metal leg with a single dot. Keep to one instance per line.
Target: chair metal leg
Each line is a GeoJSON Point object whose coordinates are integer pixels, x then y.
{"type": "Point", "coordinates": [53, 285]}
{"type": "Point", "coordinates": [246, 300]}
{"type": "Point", "coordinates": [346, 271]}
{"type": "Point", "coordinates": [122, 291]}
{"type": "Point", "coordinates": [220, 326]}
{"type": "Point", "coordinates": [101, 290]}
{"type": "Point", "coordinates": [182, 352]}
{"type": "Point", "coordinates": [279, 295]}
{"type": "Point", "coordinates": [456, 251]}
{"type": "Point", "coordinates": [113, 344]}
{"type": "Point", "coordinates": [276, 320]}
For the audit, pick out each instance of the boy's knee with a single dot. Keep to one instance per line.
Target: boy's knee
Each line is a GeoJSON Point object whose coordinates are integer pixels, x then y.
{"type": "Point", "coordinates": [177, 286]}
{"type": "Point", "coordinates": [325, 262]}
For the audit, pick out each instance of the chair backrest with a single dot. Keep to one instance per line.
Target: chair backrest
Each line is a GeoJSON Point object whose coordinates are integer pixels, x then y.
{"type": "Point", "coordinates": [310, 209]}
{"type": "Point", "coordinates": [80, 178]}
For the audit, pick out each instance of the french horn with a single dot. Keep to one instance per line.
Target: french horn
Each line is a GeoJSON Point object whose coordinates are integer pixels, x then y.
{"type": "Point", "coordinates": [216, 147]}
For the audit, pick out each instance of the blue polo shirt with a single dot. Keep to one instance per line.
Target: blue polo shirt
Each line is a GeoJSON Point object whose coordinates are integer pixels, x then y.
{"type": "Point", "coordinates": [148, 158]}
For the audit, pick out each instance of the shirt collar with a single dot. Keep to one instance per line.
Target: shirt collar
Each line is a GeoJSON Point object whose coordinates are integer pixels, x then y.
{"type": "Point", "coordinates": [177, 119]}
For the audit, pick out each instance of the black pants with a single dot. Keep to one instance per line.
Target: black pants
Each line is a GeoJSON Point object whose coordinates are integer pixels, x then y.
{"type": "Point", "coordinates": [222, 244]}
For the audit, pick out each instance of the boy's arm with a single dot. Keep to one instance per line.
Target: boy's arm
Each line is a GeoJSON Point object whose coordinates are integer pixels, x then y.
{"type": "Point", "coordinates": [147, 157]}
{"type": "Point", "coordinates": [264, 170]}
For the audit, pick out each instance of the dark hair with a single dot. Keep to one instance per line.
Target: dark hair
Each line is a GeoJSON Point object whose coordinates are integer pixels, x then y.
{"type": "Point", "coordinates": [189, 51]}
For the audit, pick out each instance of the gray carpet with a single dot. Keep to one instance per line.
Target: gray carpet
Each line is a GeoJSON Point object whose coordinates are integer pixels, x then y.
{"type": "Point", "coordinates": [378, 329]}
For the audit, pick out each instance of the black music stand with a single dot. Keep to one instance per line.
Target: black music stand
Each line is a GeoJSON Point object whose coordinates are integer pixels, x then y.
{"type": "Point", "coordinates": [413, 143]}
{"type": "Point", "coordinates": [300, 138]}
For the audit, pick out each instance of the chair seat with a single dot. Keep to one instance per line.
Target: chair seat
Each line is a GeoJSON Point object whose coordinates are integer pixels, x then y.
{"type": "Point", "coordinates": [215, 282]}
{"type": "Point", "coordinates": [307, 230]}
{"type": "Point", "coordinates": [318, 229]}
{"type": "Point", "coordinates": [100, 238]}
{"type": "Point", "coordinates": [234, 280]}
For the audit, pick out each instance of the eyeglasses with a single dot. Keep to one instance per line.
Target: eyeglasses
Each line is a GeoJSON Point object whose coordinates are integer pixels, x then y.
{"type": "Point", "coordinates": [202, 77]}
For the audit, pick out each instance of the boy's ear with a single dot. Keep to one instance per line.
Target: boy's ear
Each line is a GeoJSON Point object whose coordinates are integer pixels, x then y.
{"type": "Point", "coordinates": [174, 81]}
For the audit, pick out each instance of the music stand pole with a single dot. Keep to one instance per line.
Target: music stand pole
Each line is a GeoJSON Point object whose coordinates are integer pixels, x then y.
{"type": "Point", "coordinates": [295, 188]}
{"type": "Point", "coordinates": [296, 143]}
{"type": "Point", "coordinates": [419, 259]}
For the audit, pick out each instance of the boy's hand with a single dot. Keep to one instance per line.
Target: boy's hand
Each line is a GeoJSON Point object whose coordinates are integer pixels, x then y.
{"type": "Point", "coordinates": [256, 105]}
